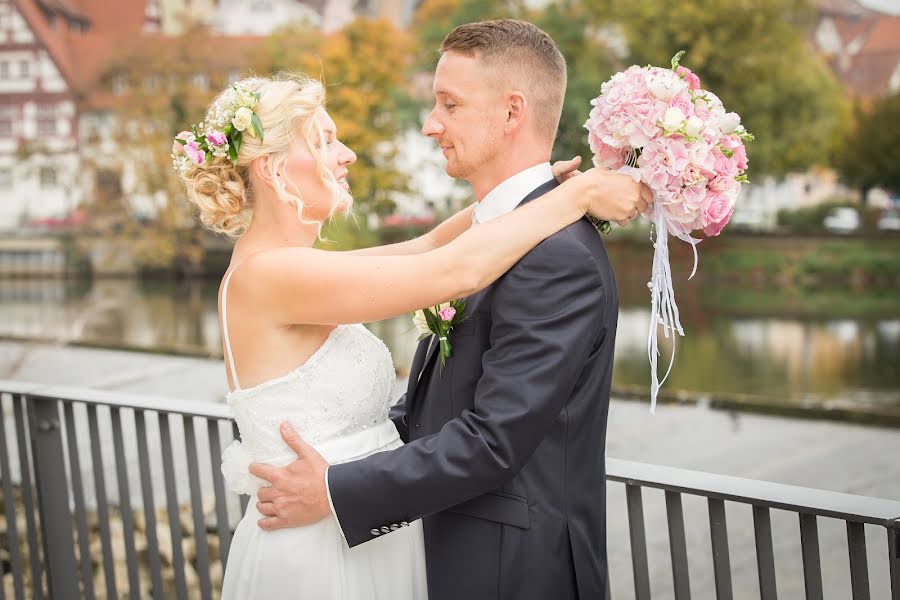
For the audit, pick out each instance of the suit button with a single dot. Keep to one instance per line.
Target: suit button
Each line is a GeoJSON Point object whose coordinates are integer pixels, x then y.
{"type": "Point", "coordinates": [417, 425]}
{"type": "Point", "coordinates": [385, 530]}
{"type": "Point", "coordinates": [395, 527]}
{"type": "Point", "coordinates": [375, 532]}
{"type": "Point", "coordinates": [404, 524]}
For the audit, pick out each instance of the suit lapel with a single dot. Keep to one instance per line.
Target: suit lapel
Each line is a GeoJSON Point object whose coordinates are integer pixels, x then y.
{"type": "Point", "coordinates": [426, 351]}
{"type": "Point", "coordinates": [432, 345]}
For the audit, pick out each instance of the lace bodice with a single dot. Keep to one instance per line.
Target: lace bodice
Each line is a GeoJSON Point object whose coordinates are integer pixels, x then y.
{"type": "Point", "coordinates": [342, 390]}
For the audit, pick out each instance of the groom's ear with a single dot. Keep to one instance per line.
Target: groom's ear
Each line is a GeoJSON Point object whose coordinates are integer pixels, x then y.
{"type": "Point", "coordinates": [516, 110]}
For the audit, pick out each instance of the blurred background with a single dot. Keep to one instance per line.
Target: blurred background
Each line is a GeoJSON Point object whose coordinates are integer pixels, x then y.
{"type": "Point", "coordinates": [797, 300]}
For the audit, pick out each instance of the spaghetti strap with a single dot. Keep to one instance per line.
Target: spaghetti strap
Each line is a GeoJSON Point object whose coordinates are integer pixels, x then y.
{"type": "Point", "coordinates": [234, 377]}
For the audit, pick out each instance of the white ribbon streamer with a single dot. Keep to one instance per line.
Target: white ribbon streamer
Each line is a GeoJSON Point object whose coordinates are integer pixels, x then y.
{"type": "Point", "coordinates": [663, 309]}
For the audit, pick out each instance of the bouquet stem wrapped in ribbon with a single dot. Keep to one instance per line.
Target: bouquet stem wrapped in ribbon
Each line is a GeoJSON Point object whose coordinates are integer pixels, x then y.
{"type": "Point", "coordinates": [660, 127]}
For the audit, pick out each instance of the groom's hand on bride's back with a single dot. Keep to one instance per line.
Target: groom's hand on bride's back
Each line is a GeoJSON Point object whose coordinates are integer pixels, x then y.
{"type": "Point", "coordinates": [296, 495]}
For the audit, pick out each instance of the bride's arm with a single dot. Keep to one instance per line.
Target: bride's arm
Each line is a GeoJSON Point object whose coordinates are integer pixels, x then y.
{"type": "Point", "coordinates": [304, 285]}
{"type": "Point", "coordinates": [443, 234]}
{"type": "Point", "coordinates": [451, 228]}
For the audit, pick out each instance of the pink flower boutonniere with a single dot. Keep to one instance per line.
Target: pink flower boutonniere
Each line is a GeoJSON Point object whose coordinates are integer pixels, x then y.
{"type": "Point", "coordinates": [440, 320]}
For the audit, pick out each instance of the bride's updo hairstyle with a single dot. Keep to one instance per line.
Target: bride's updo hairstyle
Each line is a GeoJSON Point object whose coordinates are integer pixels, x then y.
{"type": "Point", "coordinates": [217, 179]}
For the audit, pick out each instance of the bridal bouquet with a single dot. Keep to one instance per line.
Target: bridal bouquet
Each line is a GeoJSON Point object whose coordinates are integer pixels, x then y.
{"type": "Point", "coordinates": [659, 126]}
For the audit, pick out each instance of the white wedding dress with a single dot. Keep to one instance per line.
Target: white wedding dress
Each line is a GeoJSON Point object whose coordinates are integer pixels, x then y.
{"type": "Point", "coordinates": [338, 400]}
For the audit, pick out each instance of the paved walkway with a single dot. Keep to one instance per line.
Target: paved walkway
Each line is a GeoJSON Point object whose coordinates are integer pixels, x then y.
{"type": "Point", "coordinates": [834, 456]}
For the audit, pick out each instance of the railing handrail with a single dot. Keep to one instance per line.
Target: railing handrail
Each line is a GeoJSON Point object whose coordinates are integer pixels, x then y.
{"type": "Point", "coordinates": [813, 501]}
{"type": "Point", "coordinates": [163, 404]}
{"type": "Point", "coordinates": [848, 507]}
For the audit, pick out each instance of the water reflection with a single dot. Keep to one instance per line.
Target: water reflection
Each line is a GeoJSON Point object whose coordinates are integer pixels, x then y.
{"type": "Point", "coordinates": [837, 358]}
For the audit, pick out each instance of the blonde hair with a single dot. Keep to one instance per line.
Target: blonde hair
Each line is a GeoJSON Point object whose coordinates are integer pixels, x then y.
{"type": "Point", "coordinates": [223, 193]}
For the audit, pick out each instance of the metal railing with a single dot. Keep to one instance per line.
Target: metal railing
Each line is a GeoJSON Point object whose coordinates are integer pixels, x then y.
{"type": "Point", "coordinates": [110, 494]}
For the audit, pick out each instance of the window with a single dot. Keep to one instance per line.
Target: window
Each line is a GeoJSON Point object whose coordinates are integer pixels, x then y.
{"type": "Point", "coordinates": [24, 69]}
{"type": "Point", "coordinates": [46, 119]}
{"type": "Point", "coordinates": [6, 121]}
{"type": "Point", "coordinates": [5, 178]}
{"type": "Point", "coordinates": [4, 69]}
{"type": "Point", "coordinates": [119, 85]}
{"type": "Point", "coordinates": [201, 81]}
{"type": "Point", "coordinates": [48, 177]}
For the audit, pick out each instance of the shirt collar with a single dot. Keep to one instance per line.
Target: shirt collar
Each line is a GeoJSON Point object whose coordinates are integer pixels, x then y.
{"type": "Point", "coordinates": [508, 194]}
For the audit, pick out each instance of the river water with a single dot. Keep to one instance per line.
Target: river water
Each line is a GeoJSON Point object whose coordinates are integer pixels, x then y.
{"type": "Point", "coordinates": [780, 356]}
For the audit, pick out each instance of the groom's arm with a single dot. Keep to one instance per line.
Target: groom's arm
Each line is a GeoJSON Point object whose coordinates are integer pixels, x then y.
{"type": "Point", "coordinates": [398, 414]}
{"type": "Point", "coordinates": [544, 324]}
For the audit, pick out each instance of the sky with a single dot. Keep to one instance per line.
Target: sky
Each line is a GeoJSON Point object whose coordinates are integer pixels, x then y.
{"type": "Point", "coordinates": [888, 6]}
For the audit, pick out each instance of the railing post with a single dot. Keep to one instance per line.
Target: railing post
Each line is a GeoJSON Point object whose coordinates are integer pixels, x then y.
{"type": "Point", "coordinates": [53, 498]}
{"type": "Point", "coordinates": [893, 535]}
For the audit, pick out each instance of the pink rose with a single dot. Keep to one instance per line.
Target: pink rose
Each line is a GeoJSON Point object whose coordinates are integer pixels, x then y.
{"type": "Point", "coordinates": [692, 80]}
{"type": "Point", "coordinates": [682, 103]}
{"type": "Point", "coordinates": [447, 313]}
{"type": "Point", "coordinates": [717, 213]}
{"type": "Point", "coordinates": [715, 229]}
{"type": "Point", "coordinates": [216, 138]}
{"type": "Point", "coordinates": [195, 153]}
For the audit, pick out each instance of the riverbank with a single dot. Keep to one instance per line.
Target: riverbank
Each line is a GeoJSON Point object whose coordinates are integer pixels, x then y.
{"type": "Point", "coordinates": [799, 266]}
{"type": "Point", "coordinates": [876, 413]}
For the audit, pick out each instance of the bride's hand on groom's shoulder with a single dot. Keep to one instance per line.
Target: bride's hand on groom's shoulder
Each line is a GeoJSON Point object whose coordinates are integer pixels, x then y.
{"type": "Point", "coordinates": [566, 169]}
{"type": "Point", "coordinates": [296, 495]}
{"type": "Point", "coordinates": [612, 196]}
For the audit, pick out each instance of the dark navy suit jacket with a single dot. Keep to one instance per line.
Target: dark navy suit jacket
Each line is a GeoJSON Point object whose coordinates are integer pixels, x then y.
{"type": "Point", "coordinates": [504, 460]}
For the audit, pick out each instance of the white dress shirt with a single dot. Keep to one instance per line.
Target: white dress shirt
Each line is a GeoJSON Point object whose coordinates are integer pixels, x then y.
{"type": "Point", "coordinates": [508, 194]}
{"type": "Point", "coordinates": [499, 201]}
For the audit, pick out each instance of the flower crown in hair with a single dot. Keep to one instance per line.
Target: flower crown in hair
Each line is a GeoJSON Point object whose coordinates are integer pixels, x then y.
{"type": "Point", "coordinates": [221, 137]}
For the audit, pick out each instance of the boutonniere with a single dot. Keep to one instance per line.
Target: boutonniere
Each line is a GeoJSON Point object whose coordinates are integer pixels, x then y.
{"type": "Point", "coordinates": [440, 321]}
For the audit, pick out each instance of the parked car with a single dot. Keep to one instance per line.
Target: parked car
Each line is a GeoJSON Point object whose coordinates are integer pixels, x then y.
{"type": "Point", "coordinates": [889, 220]}
{"type": "Point", "coordinates": [842, 219]}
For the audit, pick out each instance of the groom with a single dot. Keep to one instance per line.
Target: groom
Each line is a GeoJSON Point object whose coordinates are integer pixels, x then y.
{"type": "Point", "coordinates": [504, 460]}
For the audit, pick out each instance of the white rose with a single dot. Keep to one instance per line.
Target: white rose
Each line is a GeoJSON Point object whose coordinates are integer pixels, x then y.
{"type": "Point", "coordinates": [665, 85]}
{"type": "Point", "coordinates": [242, 119]}
{"type": "Point", "coordinates": [420, 322]}
{"type": "Point", "coordinates": [694, 126]}
{"type": "Point", "coordinates": [246, 98]}
{"type": "Point", "coordinates": [673, 119]}
{"type": "Point", "coordinates": [729, 122]}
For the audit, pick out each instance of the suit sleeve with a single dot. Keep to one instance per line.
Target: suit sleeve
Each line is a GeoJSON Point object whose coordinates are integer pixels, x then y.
{"type": "Point", "coordinates": [544, 324]}
{"type": "Point", "coordinates": [399, 415]}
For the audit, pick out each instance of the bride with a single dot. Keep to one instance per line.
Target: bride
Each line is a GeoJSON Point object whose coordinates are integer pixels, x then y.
{"type": "Point", "coordinates": [266, 167]}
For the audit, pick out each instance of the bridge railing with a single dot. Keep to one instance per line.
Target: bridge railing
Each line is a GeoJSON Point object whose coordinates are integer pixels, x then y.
{"type": "Point", "coordinates": [106, 495]}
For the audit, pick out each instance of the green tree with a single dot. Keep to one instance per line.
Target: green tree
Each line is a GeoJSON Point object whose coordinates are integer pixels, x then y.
{"type": "Point", "coordinates": [156, 86]}
{"type": "Point", "coordinates": [363, 66]}
{"type": "Point", "coordinates": [588, 59]}
{"type": "Point", "coordinates": [871, 152]}
{"type": "Point", "coordinates": [436, 18]}
{"type": "Point", "coordinates": [756, 58]}
{"type": "Point", "coordinates": [588, 63]}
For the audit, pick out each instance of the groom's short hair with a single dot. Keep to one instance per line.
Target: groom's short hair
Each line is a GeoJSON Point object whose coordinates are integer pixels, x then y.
{"type": "Point", "coordinates": [527, 56]}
